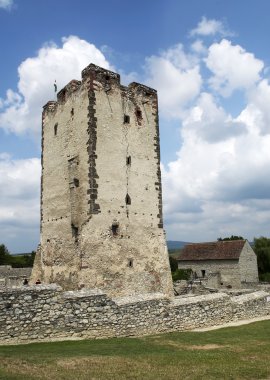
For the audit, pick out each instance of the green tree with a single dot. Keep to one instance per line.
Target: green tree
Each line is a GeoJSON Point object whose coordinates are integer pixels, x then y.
{"type": "Point", "coordinates": [29, 259]}
{"type": "Point", "coordinates": [5, 257]}
{"type": "Point", "coordinates": [262, 249]}
{"type": "Point", "coordinates": [233, 237]}
{"type": "Point", "coordinates": [182, 274]}
{"type": "Point", "coordinates": [173, 264]}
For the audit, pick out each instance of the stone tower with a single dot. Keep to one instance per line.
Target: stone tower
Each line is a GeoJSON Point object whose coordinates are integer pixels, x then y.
{"type": "Point", "coordinates": [101, 201]}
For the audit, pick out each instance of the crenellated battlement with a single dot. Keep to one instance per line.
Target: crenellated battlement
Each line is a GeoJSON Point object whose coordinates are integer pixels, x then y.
{"type": "Point", "coordinates": [99, 78]}
{"type": "Point", "coordinates": [99, 73]}
{"type": "Point", "coordinates": [50, 106]}
{"type": "Point", "coordinates": [66, 91]}
{"type": "Point", "coordinates": [141, 89]}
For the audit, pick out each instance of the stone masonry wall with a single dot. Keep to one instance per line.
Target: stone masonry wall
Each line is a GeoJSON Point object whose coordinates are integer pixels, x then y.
{"type": "Point", "coordinates": [228, 269]}
{"type": "Point", "coordinates": [248, 265]}
{"type": "Point", "coordinates": [47, 313]}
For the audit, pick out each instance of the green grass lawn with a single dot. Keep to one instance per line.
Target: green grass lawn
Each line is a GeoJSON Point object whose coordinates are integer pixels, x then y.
{"type": "Point", "coordinates": [230, 353]}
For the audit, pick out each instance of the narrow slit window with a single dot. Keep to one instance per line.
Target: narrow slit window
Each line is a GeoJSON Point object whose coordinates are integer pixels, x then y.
{"type": "Point", "coordinates": [128, 200]}
{"type": "Point", "coordinates": [115, 228]}
{"type": "Point", "coordinates": [75, 231]}
{"type": "Point", "coordinates": [139, 114]}
{"type": "Point", "coordinates": [130, 263]}
{"type": "Point", "coordinates": [129, 160]}
{"type": "Point", "coordinates": [72, 112]}
{"type": "Point", "coordinates": [55, 129]}
{"type": "Point", "coordinates": [126, 119]}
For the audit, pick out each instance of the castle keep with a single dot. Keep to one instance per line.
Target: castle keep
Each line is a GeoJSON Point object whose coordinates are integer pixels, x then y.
{"type": "Point", "coordinates": [101, 200]}
{"type": "Point", "coordinates": [102, 238]}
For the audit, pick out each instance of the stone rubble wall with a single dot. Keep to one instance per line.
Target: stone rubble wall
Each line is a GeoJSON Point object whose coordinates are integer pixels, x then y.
{"type": "Point", "coordinates": [47, 313]}
{"type": "Point", "coordinates": [250, 305]}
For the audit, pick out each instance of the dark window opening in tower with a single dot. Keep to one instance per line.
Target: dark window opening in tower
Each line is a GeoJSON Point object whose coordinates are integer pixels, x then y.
{"type": "Point", "coordinates": [115, 228]}
{"type": "Point", "coordinates": [126, 119]}
{"type": "Point", "coordinates": [76, 182]}
{"type": "Point", "coordinates": [75, 231]}
{"type": "Point", "coordinates": [128, 200]}
{"type": "Point", "coordinates": [130, 263]}
{"type": "Point", "coordinates": [138, 114]}
{"type": "Point", "coordinates": [55, 129]}
{"type": "Point", "coordinates": [129, 160]}
{"type": "Point", "coordinates": [72, 112]}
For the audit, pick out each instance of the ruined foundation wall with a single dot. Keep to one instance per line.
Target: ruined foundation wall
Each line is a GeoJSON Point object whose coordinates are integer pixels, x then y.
{"type": "Point", "coordinates": [46, 312]}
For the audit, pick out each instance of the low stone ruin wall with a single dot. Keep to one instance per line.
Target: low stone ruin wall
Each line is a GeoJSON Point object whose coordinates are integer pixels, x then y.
{"type": "Point", "coordinates": [46, 312]}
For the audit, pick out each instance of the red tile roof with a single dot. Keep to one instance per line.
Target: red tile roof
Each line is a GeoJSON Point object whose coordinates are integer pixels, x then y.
{"type": "Point", "coordinates": [218, 250]}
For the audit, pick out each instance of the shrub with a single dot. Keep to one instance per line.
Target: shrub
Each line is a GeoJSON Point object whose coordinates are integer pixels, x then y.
{"type": "Point", "coordinates": [173, 264]}
{"type": "Point", "coordinates": [181, 274]}
{"type": "Point", "coordinates": [264, 277]}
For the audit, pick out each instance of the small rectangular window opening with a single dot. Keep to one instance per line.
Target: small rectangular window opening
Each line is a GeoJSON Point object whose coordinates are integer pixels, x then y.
{"type": "Point", "coordinates": [75, 231]}
{"type": "Point", "coordinates": [72, 112]}
{"type": "Point", "coordinates": [76, 182]}
{"type": "Point", "coordinates": [130, 263]}
{"type": "Point", "coordinates": [138, 113]}
{"type": "Point", "coordinates": [129, 160]}
{"type": "Point", "coordinates": [55, 129]}
{"type": "Point", "coordinates": [115, 228]}
{"type": "Point", "coordinates": [126, 119]}
{"type": "Point", "coordinates": [203, 272]}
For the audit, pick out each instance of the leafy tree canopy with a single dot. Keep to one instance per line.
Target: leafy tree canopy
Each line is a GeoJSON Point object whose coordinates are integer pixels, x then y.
{"type": "Point", "coordinates": [233, 237]}
{"type": "Point", "coordinates": [173, 264]}
{"type": "Point", "coordinates": [5, 256]}
{"type": "Point", "coordinates": [262, 249]}
{"type": "Point", "coordinates": [16, 261]}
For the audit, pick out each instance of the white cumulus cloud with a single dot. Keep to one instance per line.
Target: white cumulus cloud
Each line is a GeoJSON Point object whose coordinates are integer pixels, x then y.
{"type": "Point", "coordinates": [6, 4]}
{"type": "Point", "coordinates": [176, 76]}
{"type": "Point", "coordinates": [257, 113]}
{"type": "Point", "coordinates": [21, 110]}
{"type": "Point", "coordinates": [232, 67]}
{"type": "Point", "coordinates": [218, 185]}
{"type": "Point", "coordinates": [211, 122]}
{"type": "Point", "coordinates": [207, 27]}
{"type": "Point", "coordinates": [19, 201]}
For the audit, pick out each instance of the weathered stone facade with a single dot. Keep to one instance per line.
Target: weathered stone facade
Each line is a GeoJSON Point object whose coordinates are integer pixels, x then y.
{"type": "Point", "coordinates": [46, 312]}
{"type": "Point", "coordinates": [237, 271]}
{"type": "Point", "coordinates": [101, 201]}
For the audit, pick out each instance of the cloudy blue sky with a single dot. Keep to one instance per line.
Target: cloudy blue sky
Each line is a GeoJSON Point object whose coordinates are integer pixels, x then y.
{"type": "Point", "coordinates": [209, 61]}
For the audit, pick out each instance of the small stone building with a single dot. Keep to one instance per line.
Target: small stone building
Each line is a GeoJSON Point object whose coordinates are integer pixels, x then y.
{"type": "Point", "coordinates": [221, 263]}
